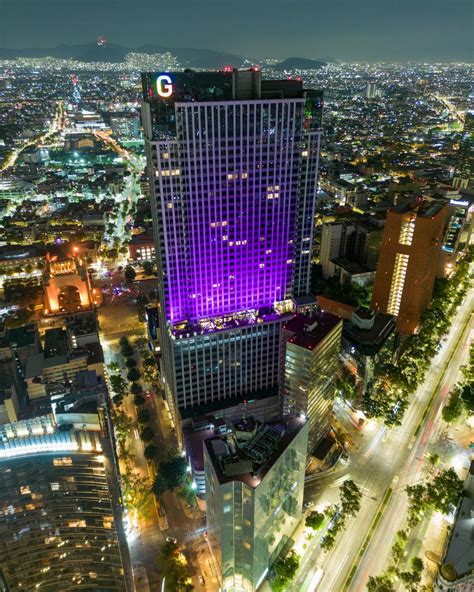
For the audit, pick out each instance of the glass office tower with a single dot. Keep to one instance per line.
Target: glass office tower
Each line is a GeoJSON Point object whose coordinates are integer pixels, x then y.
{"type": "Point", "coordinates": [232, 163]}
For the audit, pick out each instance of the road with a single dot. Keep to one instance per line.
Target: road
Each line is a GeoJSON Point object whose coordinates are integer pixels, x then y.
{"type": "Point", "coordinates": [56, 125]}
{"type": "Point", "coordinates": [147, 538]}
{"type": "Point", "coordinates": [387, 459]}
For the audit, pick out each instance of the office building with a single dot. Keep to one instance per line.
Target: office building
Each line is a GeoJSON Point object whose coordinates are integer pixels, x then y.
{"type": "Point", "coordinates": [309, 364]}
{"type": "Point", "coordinates": [408, 261]}
{"type": "Point", "coordinates": [371, 90]}
{"type": "Point", "coordinates": [346, 243]}
{"type": "Point", "coordinates": [458, 232]}
{"type": "Point", "coordinates": [232, 163]}
{"type": "Point", "coordinates": [254, 485]}
{"type": "Point", "coordinates": [464, 171]}
{"type": "Point", "coordinates": [60, 526]}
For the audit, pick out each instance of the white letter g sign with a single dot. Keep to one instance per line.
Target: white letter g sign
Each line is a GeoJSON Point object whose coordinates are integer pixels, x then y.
{"type": "Point", "coordinates": [164, 86]}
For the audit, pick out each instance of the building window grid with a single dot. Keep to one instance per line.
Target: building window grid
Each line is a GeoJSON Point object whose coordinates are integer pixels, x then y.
{"type": "Point", "coordinates": [398, 282]}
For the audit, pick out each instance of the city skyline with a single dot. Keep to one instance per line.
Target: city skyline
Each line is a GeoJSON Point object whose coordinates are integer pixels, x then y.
{"type": "Point", "coordinates": [236, 329]}
{"type": "Point", "coordinates": [377, 31]}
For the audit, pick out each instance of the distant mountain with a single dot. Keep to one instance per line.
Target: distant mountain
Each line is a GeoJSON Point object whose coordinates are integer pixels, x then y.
{"type": "Point", "coordinates": [299, 64]}
{"type": "Point", "coordinates": [188, 57]}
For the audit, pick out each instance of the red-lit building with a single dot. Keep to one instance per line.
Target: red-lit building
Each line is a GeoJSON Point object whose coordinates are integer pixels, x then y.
{"type": "Point", "coordinates": [408, 260]}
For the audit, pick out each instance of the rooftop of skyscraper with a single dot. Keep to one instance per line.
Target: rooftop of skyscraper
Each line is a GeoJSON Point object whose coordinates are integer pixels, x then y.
{"type": "Point", "coordinates": [423, 208]}
{"type": "Point", "coordinates": [309, 331]}
{"type": "Point", "coordinates": [248, 452]}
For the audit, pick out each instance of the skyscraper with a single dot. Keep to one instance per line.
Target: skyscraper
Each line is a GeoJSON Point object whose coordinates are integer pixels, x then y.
{"type": "Point", "coordinates": [464, 172]}
{"type": "Point", "coordinates": [408, 261]}
{"type": "Point", "coordinates": [371, 90]}
{"type": "Point", "coordinates": [254, 484]}
{"type": "Point", "coordinates": [310, 357]}
{"type": "Point", "coordinates": [233, 163]}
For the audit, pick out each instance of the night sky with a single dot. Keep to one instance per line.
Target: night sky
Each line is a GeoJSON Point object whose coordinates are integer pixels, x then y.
{"type": "Point", "coordinates": [372, 30]}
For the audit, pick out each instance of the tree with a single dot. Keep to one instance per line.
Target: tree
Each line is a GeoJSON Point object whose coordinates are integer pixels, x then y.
{"type": "Point", "coordinates": [147, 434]}
{"type": "Point", "coordinates": [175, 568]}
{"type": "Point", "coordinates": [314, 520]}
{"type": "Point", "coordinates": [113, 367]}
{"type": "Point", "coordinates": [350, 497]}
{"type": "Point", "coordinates": [131, 363]}
{"type": "Point", "coordinates": [417, 503]}
{"type": "Point", "coordinates": [285, 570]}
{"type": "Point", "coordinates": [444, 491]}
{"type": "Point", "coordinates": [150, 452]}
{"type": "Point", "coordinates": [174, 471]}
{"type": "Point", "coordinates": [412, 578]}
{"type": "Point", "coordinates": [134, 375]}
{"type": "Point", "coordinates": [125, 347]}
{"type": "Point", "coordinates": [130, 273]}
{"type": "Point", "coordinates": [143, 416]}
{"type": "Point", "coordinates": [136, 492]}
{"type": "Point", "coordinates": [147, 268]}
{"type": "Point", "coordinates": [159, 485]}
{"type": "Point", "coordinates": [118, 384]}
{"type": "Point", "coordinates": [136, 389]}
{"type": "Point", "coordinates": [380, 584]}
{"type": "Point", "coordinates": [453, 409]}
{"type": "Point", "coordinates": [328, 541]}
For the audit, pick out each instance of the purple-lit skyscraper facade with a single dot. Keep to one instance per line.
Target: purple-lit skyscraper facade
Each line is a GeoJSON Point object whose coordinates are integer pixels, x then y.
{"type": "Point", "coordinates": [233, 171]}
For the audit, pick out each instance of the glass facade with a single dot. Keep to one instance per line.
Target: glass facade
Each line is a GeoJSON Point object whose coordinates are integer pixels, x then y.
{"type": "Point", "coordinates": [57, 529]}
{"type": "Point", "coordinates": [250, 521]}
{"type": "Point", "coordinates": [309, 367]}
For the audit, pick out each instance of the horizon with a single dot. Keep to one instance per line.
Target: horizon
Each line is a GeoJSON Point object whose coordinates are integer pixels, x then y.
{"type": "Point", "coordinates": [421, 31]}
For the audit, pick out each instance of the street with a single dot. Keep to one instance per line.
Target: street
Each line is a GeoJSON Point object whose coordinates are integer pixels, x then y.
{"type": "Point", "coordinates": [388, 458]}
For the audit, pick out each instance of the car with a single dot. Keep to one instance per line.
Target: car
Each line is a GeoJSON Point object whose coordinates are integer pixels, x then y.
{"type": "Point", "coordinates": [170, 539]}
{"type": "Point", "coordinates": [307, 505]}
{"type": "Point", "coordinates": [202, 580]}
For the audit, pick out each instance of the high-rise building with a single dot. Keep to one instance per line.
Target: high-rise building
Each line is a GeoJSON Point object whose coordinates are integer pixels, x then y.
{"type": "Point", "coordinates": [464, 172]}
{"type": "Point", "coordinates": [233, 164]}
{"type": "Point", "coordinates": [254, 484]}
{"type": "Point", "coordinates": [310, 357]}
{"type": "Point", "coordinates": [408, 261]}
{"type": "Point", "coordinates": [60, 526]}
{"type": "Point", "coordinates": [371, 90]}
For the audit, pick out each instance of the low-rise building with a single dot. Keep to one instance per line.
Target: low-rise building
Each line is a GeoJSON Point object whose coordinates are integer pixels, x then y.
{"type": "Point", "coordinates": [366, 336]}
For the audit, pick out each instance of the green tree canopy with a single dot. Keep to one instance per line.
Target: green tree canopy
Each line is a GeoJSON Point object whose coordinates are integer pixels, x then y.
{"type": "Point", "coordinates": [314, 520]}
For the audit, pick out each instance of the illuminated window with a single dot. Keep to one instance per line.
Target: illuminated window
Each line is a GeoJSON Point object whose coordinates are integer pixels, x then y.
{"type": "Point", "coordinates": [165, 155]}
{"type": "Point", "coordinates": [398, 282]}
{"type": "Point", "coordinates": [407, 229]}
{"type": "Point", "coordinates": [169, 205]}
{"type": "Point", "coordinates": [227, 496]}
{"type": "Point", "coordinates": [25, 490]}
{"type": "Point", "coordinates": [304, 153]}
{"type": "Point", "coordinates": [54, 486]}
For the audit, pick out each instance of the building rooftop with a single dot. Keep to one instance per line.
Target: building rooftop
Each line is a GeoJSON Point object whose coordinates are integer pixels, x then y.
{"type": "Point", "coordinates": [308, 332]}
{"type": "Point", "coordinates": [423, 208]}
{"type": "Point", "coordinates": [55, 343]}
{"type": "Point", "coordinates": [369, 339]}
{"type": "Point", "coordinates": [248, 452]}
{"type": "Point", "coordinates": [242, 318]}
